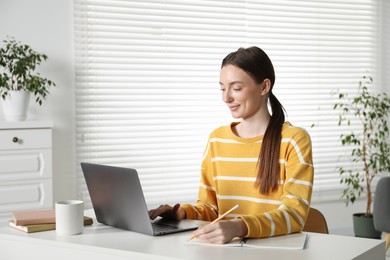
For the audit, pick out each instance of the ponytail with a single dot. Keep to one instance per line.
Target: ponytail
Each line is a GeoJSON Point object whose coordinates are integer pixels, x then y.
{"type": "Point", "coordinates": [269, 170]}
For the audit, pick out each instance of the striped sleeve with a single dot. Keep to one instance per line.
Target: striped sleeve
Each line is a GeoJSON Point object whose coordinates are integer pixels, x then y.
{"type": "Point", "coordinates": [206, 207]}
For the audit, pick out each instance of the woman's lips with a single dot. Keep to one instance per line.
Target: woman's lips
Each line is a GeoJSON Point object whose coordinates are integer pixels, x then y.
{"type": "Point", "coordinates": [233, 108]}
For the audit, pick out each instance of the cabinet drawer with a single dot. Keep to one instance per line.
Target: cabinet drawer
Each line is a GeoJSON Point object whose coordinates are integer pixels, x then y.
{"type": "Point", "coordinates": [23, 165]}
{"type": "Point", "coordinates": [24, 195]}
{"type": "Point", "coordinates": [17, 139]}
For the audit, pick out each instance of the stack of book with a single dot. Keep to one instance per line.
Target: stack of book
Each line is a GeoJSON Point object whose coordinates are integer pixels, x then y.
{"type": "Point", "coordinates": [37, 220]}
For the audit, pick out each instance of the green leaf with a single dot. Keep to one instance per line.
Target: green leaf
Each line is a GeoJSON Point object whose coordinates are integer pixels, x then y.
{"type": "Point", "coordinates": [18, 63]}
{"type": "Point", "coordinates": [369, 141]}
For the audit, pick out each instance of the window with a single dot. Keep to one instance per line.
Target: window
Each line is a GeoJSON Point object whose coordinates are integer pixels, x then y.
{"type": "Point", "coordinates": [147, 73]}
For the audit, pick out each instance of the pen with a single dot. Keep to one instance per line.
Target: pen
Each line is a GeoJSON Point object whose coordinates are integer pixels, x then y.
{"type": "Point", "coordinates": [218, 219]}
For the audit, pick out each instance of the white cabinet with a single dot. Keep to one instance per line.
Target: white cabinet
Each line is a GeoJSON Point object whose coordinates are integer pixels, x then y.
{"type": "Point", "coordinates": [25, 167]}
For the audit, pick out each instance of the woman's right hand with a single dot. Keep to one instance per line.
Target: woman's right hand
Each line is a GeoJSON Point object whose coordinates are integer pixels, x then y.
{"type": "Point", "coordinates": [168, 212]}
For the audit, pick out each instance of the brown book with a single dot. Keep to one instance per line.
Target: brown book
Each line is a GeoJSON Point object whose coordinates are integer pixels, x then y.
{"type": "Point", "coordinates": [43, 227]}
{"type": "Point", "coordinates": [34, 217]}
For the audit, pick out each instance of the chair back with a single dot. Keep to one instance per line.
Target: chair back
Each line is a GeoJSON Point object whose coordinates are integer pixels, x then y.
{"type": "Point", "coordinates": [382, 208]}
{"type": "Point", "coordinates": [382, 205]}
{"type": "Point", "coordinates": [316, 222]}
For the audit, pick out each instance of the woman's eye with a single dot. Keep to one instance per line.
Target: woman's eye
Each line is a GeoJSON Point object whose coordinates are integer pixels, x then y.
{"type": "Point", "coordinates": [236, 89]}
{"type": "Point", "coordinates": [222, 89]}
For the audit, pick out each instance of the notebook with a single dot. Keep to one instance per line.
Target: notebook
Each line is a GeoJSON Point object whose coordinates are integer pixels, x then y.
{"type": "Point", "coordinates": [291, 241]}
{"type": "Point", "coordinates": [118, 201]}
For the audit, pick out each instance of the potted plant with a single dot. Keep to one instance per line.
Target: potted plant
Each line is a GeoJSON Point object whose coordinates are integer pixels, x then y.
{"type": "Point", "coordinates": [370, 149]}
{"type": "Point", "coordinates": [18, 78]}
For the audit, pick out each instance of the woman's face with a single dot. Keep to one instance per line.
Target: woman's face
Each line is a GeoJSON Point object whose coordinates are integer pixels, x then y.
{"type": "Point", "coordinates": [244, 97]}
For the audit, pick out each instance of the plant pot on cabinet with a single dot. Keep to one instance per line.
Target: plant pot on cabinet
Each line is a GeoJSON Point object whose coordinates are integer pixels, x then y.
{"type": "Point", "coordinates": [15, 105]}
{"type": "Point", "coordinates": [364, 226]}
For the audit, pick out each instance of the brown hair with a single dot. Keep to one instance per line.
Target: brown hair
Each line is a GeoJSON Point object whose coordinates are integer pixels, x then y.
{"type": "Point", "coordinates": [258, 65]}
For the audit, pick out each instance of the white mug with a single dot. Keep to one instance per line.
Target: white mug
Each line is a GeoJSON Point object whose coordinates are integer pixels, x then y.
{"type": "Point", "coordinates": [69, 217]}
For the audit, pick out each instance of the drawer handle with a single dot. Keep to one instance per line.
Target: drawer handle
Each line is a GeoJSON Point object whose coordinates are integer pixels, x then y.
{"type": "Point", "coordinates": [15, 140]}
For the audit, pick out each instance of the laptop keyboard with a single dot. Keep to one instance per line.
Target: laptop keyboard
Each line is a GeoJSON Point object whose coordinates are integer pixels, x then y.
{"type": "Point", "coordinates": [162, 228]}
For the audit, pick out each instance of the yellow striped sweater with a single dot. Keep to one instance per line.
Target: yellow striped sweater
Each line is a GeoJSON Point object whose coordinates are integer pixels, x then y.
{"type": "Point", "coordinates": [228, 175]}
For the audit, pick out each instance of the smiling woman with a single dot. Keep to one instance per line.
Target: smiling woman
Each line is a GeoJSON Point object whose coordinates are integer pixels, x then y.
{"type": "Point", "coordinates": [147, 79]}
{"type": "Point", "coordinates": [270, 171]}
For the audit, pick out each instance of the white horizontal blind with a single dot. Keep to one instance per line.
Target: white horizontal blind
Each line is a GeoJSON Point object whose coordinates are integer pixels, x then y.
{"type": "Point", "coordinates": [147, 73]}
{"type": "Point", "coordinates": [385, 54]}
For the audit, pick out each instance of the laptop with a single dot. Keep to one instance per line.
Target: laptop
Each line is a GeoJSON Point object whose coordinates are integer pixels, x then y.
{"type": "Point", "coordinates": [118, 201]}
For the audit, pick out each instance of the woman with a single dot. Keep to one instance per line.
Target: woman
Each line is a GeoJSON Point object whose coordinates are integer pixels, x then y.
{"type": "Point", "coordinates": [261, 163]}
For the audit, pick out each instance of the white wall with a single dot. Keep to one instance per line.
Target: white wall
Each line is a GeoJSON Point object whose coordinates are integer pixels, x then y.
{"type": "Point", "coordinates": [47, 26]}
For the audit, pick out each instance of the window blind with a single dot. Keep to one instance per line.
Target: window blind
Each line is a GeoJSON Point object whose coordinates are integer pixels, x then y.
{"type": "Point", "coordinates": [147, 72]}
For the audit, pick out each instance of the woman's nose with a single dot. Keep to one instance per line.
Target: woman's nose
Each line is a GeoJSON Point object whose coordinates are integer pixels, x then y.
{"type": "Point", "coordinates": [226, 96]}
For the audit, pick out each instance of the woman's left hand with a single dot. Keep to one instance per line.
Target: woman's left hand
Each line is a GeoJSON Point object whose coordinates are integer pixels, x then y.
{"type": "Point", "coordinates": [222, 232]}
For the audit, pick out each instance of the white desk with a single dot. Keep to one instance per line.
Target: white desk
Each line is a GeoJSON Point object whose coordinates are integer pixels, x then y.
{"type": "Point", "coordinates": [103, 242]}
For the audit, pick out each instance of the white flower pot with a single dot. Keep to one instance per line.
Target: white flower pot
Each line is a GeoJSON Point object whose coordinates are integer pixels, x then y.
{"type": "Point", "coordinates": [15, 105]}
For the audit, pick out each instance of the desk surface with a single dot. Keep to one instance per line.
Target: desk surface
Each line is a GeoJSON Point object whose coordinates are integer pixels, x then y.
{"type": "Point", "coordinates": [100, 241]}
